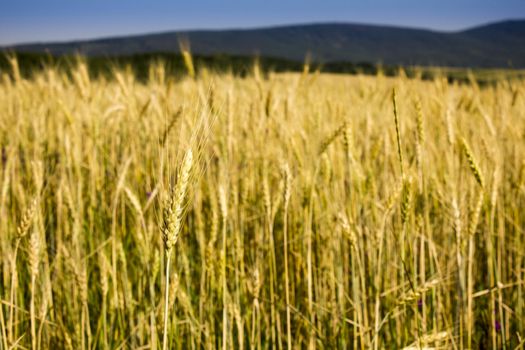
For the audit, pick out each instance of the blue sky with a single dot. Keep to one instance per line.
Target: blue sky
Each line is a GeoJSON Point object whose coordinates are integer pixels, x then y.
{"type": "Point", "coordinates": [49, 20]}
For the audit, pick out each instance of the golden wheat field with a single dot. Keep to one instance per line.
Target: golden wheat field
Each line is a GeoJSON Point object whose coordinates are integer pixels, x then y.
{"type": "Point", "coordinates": [272, 211]}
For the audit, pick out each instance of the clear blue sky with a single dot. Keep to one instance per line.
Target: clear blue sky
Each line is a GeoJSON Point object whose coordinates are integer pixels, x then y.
{"type": "Point", "coordinates": [45, 20]}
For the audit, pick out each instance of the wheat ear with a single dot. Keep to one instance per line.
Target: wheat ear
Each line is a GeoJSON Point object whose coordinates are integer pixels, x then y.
{"type": "Point", "coordinates": [398, 136]}
{"type": "Point", "coordinates": [473, 165]}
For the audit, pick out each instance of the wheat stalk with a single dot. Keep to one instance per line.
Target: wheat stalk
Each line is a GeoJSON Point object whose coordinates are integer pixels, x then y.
{"type": "Point", "coordinates": [287, 178]}
{"type": "Point", "coordinates": [223, 204]}
{"type": "Point", "coordinates": [34, 261]}
{"type": "Point", "coordinates": [171, 225]}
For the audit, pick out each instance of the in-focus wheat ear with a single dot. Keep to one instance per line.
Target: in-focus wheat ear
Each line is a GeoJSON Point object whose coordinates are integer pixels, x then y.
{"type": "Point", "coordinates": [174, 205]}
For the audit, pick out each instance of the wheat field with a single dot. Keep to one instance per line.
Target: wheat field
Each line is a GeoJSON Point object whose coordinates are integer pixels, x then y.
{"type": "Point", "coordinates": [272, 211]}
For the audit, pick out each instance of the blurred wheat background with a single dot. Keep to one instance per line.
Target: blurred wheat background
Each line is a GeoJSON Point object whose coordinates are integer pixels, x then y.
{"type": "Point", "coordinates": [319, 211]}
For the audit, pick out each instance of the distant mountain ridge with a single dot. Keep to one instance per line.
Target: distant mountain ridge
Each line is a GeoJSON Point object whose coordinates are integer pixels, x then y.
{"type": "Point", "coordinates": [500, 44]}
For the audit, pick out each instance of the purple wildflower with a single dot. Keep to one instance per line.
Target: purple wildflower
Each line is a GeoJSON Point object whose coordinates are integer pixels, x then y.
{"type": "Point", "coordinates": [420, 304]}
{"type": "Point", "coordinates": [497, 326]}
{"type": "Point", "coordinates": [4, 156]}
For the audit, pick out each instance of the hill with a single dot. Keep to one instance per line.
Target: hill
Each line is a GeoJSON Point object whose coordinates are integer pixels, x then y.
{"type": "Point", "coordinates": [500, 44]}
